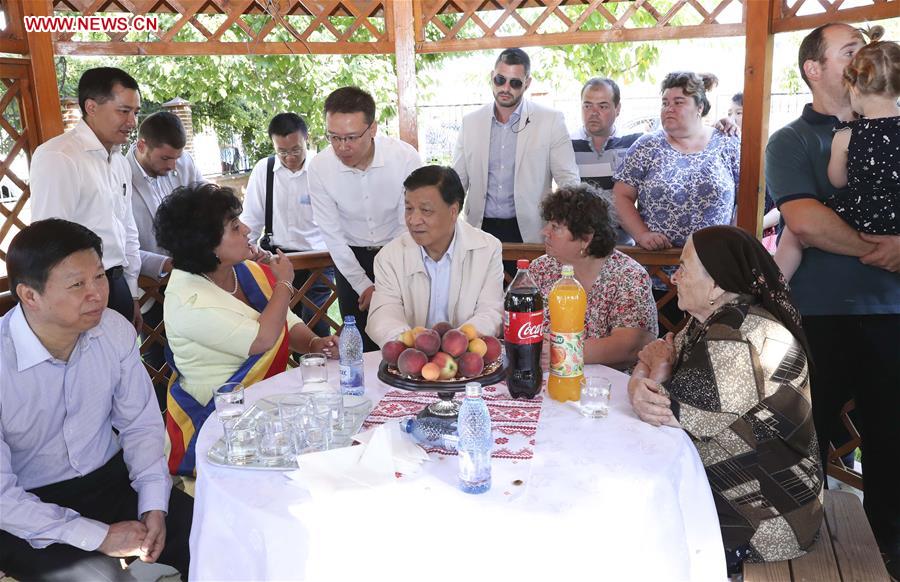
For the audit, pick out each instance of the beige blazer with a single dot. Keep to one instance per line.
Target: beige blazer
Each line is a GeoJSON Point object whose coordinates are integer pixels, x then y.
{"type": "Point", "coordinates": [543, 153]}
{"type": "Point", "coordinates": [403, 288]}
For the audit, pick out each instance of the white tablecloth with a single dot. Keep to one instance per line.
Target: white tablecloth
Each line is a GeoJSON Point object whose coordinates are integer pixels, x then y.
{"type": "Point", "coordinates": [610, 499]}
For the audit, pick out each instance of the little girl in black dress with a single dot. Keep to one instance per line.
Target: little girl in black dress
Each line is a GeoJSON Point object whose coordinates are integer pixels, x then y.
{"type": "Point", "coordinates": [865, 154]}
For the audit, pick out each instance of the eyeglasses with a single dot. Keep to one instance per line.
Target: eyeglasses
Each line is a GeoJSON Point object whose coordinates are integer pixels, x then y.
{"type": "Point", "coordinates": [347, 139]}
{"type": "Point", "coordinates": [291, 152]}
{"type": "Point", "coordinates": [500, 80]}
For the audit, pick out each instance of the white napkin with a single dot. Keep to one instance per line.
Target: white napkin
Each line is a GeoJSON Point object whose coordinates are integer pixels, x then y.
{"type": "Point", "coordinates": [383, 452]}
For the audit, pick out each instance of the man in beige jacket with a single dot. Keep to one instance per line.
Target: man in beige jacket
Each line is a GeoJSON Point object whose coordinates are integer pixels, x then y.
{"type": "Point", "coordinates": [441, 269]}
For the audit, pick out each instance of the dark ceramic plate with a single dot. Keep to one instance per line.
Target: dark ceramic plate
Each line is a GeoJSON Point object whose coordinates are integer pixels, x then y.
{"type": "Point", "coordinates": [390, 375]}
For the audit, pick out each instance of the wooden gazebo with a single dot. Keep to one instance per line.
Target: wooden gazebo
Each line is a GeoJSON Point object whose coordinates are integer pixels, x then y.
{"type": "Point", "coordinates": [30, 103]}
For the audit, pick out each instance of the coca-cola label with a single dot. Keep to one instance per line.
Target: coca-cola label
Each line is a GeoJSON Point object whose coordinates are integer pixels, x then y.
{"type": "Point", "coordinates": [523, 327]}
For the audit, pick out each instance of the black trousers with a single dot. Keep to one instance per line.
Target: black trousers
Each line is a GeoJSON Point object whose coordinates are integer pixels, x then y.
{"type": "Point", "coordinates": [120, 298]}
{"type": "Point", "coordinates": [104, 495]}
{"type": "Point", "coordinates": [506, 230]}
{"type": "Point", "coordinates": [348, 299]}
{"type": "Point", "coordinates": [857, 356]}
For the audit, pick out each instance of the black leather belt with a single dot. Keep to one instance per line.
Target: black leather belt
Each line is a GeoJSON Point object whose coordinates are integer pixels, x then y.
{"type": "Point", "coordinates": [370, 249]}
{"type": "Point", "coordinates": [115, 273]}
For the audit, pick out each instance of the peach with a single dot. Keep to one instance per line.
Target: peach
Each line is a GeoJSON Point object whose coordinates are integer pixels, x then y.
{"type": "Point", "coordinates": [418, 329]}
{"type": "Point", "coordinates": [429, 342]}
{"type": "Point", "coordinates": [478, 346]}
{"type": "Point", "coordinates": [430, 371]}
{"type": "Point", "coordinates": [454, 343]}
{"type": "Point", "coordinates": [408, 338]}
{"type": "Point", "coordinates": [493, 349]}
{"type": "Point", "coordinates": [411, 362]}
{"type": "Point", "coordinates": [446, 364]}
{"type": "Point", "coordinates": [442, 327]}
{"type": "Point", "coordinates": [469, 330]}
{"type": "Point", "coordinates": [470, 364]}
{"type": "Point", "coordinates": [391, 351]}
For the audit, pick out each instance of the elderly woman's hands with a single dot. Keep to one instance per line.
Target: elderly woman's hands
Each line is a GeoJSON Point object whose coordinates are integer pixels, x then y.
{"type": "Point", "coordinates": [658, 352]}
{"type": "Point", "coordinates": [653, 241]}
{"type": "Point", "coordinates": [649, 403]}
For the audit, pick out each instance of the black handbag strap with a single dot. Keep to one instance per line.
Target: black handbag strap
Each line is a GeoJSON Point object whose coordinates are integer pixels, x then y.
{"type": "Point", "coordinates": [270, 186]}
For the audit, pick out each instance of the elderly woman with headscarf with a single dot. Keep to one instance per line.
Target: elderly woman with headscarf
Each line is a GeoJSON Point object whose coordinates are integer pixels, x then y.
{"type": "Point", "coordinates": [736, 379]}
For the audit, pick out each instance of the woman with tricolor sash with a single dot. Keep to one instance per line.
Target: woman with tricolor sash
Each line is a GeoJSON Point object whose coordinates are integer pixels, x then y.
{"type": "Point", "coordinates": [227, 316]}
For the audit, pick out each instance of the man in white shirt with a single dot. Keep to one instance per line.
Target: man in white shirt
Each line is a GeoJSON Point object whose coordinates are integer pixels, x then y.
{"type": "Point", "coordinates": [278, 210]}
{"type": "Point", "coordinates": [83, 477]}
{"type": "Point", "coordinates": [356, 186]}
{"type": "Point", "coordinates": [83, 177]}
{"type": "Point", "coordinates": [508, 152]}
{"type": "Point", "coordinates": [158, 164]}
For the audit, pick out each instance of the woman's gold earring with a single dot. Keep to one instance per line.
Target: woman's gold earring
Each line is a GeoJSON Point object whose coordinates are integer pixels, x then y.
{"type": "Point", "coordinates": [711, 301]}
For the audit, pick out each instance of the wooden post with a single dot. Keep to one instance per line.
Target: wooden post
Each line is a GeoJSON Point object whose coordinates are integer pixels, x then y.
{"type": "Point", "coordinates": [42, 71]}
{"type": "Point", "coordinates": [405, 51]}
{"type": "Point", "coordinates": [755, 127]}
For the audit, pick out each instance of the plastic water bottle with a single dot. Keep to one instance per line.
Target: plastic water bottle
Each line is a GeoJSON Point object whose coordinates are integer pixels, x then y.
{"type": "Point", "coordinates": [432, 432]}
{"type": "Point", "coordinates": [351, 347]}
{"type": "Point", "coordinates": [474, 427]}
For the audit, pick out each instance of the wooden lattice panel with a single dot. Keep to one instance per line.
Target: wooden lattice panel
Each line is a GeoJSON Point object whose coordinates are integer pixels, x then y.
{"type": "Point", "coordinates": [806, 14]}
{"type": "Point", "coordinates": [203, 27]}
{"type": "Point", "coordinates": [16, 127]}
{"type": "Point", "coordinates": [457, 25]}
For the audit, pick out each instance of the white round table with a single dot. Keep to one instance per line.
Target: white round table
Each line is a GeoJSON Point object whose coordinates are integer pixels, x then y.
{"type": "Point", "coordinates": [605, 499]}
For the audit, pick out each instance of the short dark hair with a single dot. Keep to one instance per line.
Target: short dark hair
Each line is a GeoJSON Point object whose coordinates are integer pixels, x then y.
{"type": "Point", "coordinates": [584, 212]}
{"type": "Point", "coordinates": [287, 123]}
{"type": "Point", "coordinates": [596, 82]}
{"type": "Point", "coordinates": [514, 56]}
{"type": "Point", "coordinates": [738, 99]}
{"type": "Point", "coordinates": [41, 246]}
{"type": "Point", "coordinates": [694, 85]}
{"type": "Point", "coordinates": [98, 84]}
{"type": "Point", "coordinates": [812, 48]}
{"type": "Point", "coordinates": [444, 178]}
{"type": "Point", "coordinates": [163, 128]}
{"type": "Point", "coordinates": [190, 223]}
{"type": "Point", "coordinates": [351, 100]}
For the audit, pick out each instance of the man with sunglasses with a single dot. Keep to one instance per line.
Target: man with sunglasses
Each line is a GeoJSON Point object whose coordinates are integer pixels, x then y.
{"type": "Point", "coordinates": [508, 152]}
{"type": "Point", "coordinates": [278, 209]}
{"type": "Point", "coordinates": [356, 188]}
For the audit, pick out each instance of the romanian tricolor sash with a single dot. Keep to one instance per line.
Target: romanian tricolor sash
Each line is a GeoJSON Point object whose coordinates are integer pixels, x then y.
{"type": "Point", "coordinates": [184, 415]}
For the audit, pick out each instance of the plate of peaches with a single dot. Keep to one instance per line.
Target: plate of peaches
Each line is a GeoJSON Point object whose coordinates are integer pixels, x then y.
{"type": "Point", "coordinates": [441, 359]}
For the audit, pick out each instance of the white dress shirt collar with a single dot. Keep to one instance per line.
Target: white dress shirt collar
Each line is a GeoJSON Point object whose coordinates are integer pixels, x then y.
{"type": "Point", "coordinates": [89, 139]}
{"type": "Point", "coordinates": [377, 159]}
{"type": "Point", "coordinates": [29, 350]}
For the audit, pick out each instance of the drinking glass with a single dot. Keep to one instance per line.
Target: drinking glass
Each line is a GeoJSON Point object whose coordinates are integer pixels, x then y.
{"type": "Point", "coordinates": [333, 403]}
{"type": "Point", "coordinates": [314, 371]}
{"type": "Point", "coordinates": [594, 401]}
{"type": "Point", "coordinates": [275, 441]}
{"type": "Point", "coordinates": [229, 399]}
{"type": "Point", "coordinates": [318, 431]}
{"type": "Point", "coordinates": [240, 442]}
{"type": "Point", "coordinates": [293, 406]}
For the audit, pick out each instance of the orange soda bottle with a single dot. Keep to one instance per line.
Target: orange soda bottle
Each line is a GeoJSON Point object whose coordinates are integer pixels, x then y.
{"type": "Point", "coordinates": [568, 304]}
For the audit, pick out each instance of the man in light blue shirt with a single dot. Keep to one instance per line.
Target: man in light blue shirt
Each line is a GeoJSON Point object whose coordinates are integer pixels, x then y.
{"type": "Point", "coordinates": [83, 478]}
{"type": "Point", "coordinates": [439, 275]}
{"type": "Point", "coordinates": [509, 153]}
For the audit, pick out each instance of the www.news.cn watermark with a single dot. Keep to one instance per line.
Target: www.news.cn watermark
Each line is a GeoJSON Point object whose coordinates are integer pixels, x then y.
{"type": "Point", "coordinates": [134, 23]}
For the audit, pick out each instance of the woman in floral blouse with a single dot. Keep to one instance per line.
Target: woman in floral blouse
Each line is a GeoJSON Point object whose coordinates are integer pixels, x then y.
{"type": "Point", "coordinates": [621, 313]}
{"type": "Point", "coordinates": [683, 177]}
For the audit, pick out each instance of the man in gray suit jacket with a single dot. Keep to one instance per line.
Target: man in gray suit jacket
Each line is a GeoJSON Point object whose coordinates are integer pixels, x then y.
{"type": "Point", "coordinates": [507, 153]}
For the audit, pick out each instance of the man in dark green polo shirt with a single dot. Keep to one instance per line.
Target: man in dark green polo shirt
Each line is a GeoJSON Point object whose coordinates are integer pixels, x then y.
{"type": "Point", "coordinates": [847, 287]}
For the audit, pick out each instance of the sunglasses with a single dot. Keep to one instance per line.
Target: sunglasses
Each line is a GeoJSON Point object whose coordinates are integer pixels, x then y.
{"type": "Point", "coordinates": [500, 80]}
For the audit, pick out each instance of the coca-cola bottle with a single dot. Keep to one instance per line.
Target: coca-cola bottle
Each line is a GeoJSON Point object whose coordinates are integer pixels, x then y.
{"type": "Point", "coordinates": [523, 330]}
